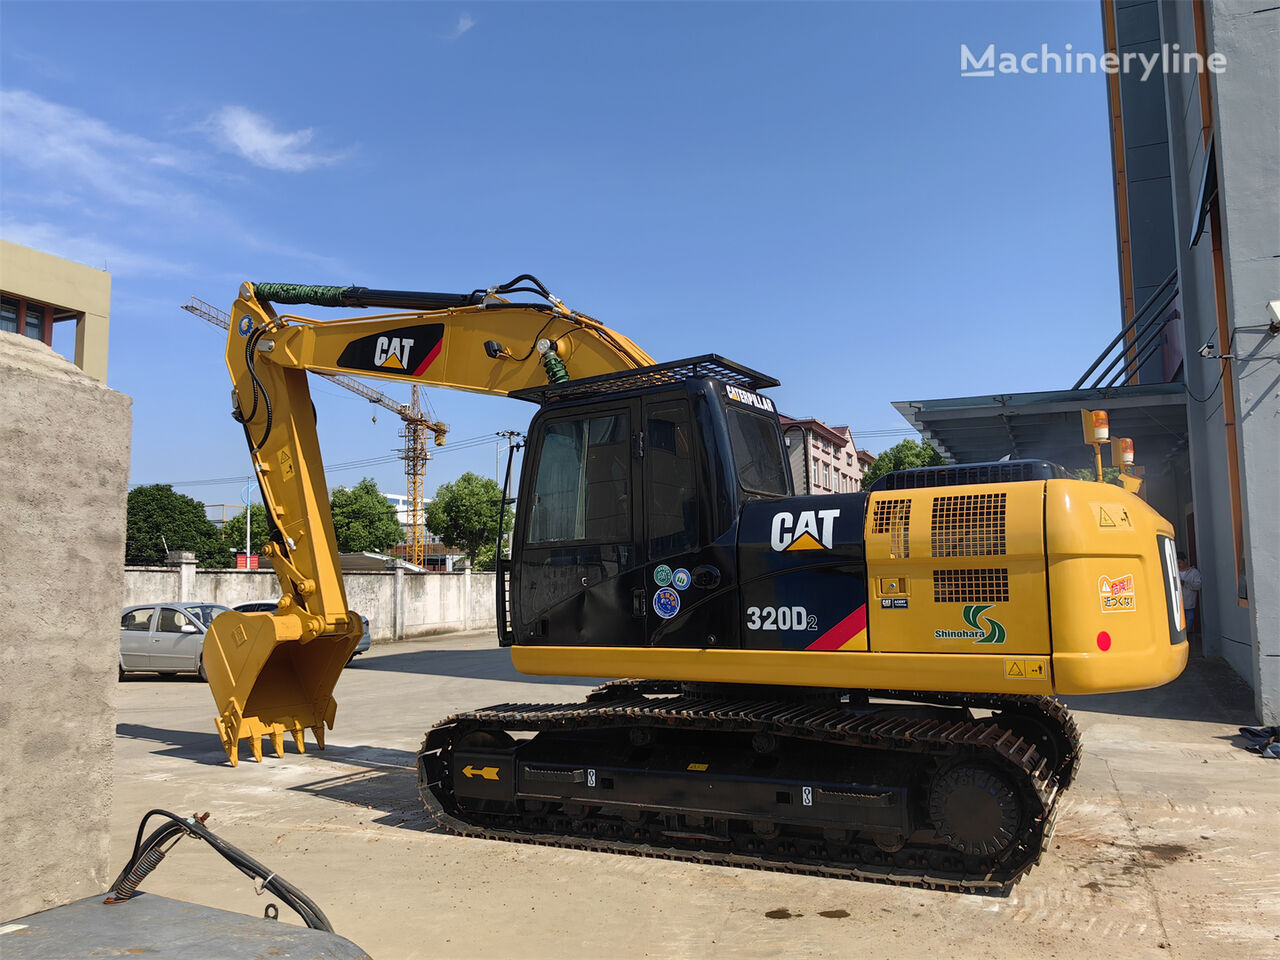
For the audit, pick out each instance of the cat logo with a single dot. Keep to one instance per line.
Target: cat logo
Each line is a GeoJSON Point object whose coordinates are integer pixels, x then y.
{"type": "Point", "coordinates": [392, 353]}
{"type": "Point", "coordinates": [810, 530]}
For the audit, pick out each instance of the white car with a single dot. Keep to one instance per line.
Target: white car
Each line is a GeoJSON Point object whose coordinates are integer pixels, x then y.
{"type": "Point", "coordinates": [165, 637]}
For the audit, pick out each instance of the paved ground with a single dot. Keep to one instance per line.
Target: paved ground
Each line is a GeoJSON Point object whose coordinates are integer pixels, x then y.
{"type": "Point", "coordinates": [1166, 846]}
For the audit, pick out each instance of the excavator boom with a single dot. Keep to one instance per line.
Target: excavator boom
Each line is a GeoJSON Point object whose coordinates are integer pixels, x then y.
{"type": "Point", "coordinates": [272, 674]}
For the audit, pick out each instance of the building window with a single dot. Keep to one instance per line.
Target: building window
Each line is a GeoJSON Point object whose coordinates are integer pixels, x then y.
{"type": "Point", "coordinates": [826, 476]}
{"type": "Point", "coordinates": [849, 459]}
{"type": "Point", "coordinates": [35, 322]}
{"type": "Point", "coordinates": [8, 315]}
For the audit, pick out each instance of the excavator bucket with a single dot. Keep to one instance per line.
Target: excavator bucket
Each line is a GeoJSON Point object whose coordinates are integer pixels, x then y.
{"type": "Point", "coordinates": [267, 681]}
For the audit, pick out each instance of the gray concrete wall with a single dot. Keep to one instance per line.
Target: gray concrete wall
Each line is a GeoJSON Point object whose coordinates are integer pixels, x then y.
{"type": "Point", "coordinates": [1248, 156]}
{"type": "Point", "coordinates": [66, 438]}
{"type": "Point", "coordinates": [430, 603]}
{"type": "Point", "coordinates": [1246, 118]}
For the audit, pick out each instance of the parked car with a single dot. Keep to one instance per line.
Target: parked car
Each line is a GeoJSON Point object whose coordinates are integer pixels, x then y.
{"type": "Point", "coordinates": [165, 637]}
{"type": "Point", "coordinates": [269, 606]}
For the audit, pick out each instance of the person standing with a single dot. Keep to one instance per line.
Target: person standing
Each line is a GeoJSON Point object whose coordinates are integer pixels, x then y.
{"type": "Point", "coordinates": [1191, 582]}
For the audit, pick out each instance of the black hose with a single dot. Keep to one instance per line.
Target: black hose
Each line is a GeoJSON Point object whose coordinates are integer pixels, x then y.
{"type": "Point", "coordinates": [294, 898]}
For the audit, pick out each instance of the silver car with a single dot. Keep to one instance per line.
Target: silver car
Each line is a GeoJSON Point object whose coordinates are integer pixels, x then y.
{"type": "Point", "coordinates": [269, 606]}
{"type": "Point", "coordinates": [165, 637]}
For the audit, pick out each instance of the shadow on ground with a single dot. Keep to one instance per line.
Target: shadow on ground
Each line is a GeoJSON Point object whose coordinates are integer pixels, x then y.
{"type": "Point", "coordinates": [493, 663]}
{"type": "Point", "coordinates": [1208, 691]}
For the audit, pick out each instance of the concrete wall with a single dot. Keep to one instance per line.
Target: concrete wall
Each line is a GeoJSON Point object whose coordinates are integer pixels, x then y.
{"type": "Point", "coordinates": [429, 603]}
{"type": "Point", "coordinates": [66, 437]}
{"type": "Point", "coordinates": [1245, 117]}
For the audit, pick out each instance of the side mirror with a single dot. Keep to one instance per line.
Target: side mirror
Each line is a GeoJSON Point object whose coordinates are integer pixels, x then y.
{"type": "Point", "coordinates": [189, 628]}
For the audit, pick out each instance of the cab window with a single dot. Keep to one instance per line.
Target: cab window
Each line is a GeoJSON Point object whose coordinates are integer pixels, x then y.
{"type": "Point", "coordinates": [757, 453]}
{"type": "Point", "coordinates": [672, 500]}
{"type": "Point", "coordinates": [581, 491]}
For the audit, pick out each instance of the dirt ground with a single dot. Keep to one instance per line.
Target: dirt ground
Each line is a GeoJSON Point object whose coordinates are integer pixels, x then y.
{"type": "Point", "coordinates": [1166, 846]}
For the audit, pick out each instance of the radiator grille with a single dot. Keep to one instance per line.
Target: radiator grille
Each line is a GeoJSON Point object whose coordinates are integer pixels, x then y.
{"type": "Point", "coordinates": [971, 586]}
{"type": "Point", "coordinates": [968, 526]}
{"type": "Point", "coordinates": [894, 518]}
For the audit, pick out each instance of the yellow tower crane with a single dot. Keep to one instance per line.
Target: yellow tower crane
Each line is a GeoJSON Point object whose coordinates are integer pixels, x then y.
{"type": "Point", "coordinates": [417, 426]}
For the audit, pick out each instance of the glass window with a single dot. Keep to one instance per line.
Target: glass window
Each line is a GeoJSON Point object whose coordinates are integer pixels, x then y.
{"type": "Point", "coordinates": [137, 620]}
{"type": "Point", "coordinates": [8, 315]}
{"type": "Point", "coordinates": [672, 497]}
{"type": "Point", "coordinates": [757, 450]}
{"type": "Point", "coordinates": [206, 611]}
{"type": "Point", "coordinates": [171, 620]}
{"type": "Point", "coordinates": [580, 492]}
{"type": "Point", "coordinates": [35, 321]}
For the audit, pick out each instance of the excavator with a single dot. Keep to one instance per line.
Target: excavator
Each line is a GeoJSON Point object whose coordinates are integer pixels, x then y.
{"type": "Point", "coordinates": [856, 685]}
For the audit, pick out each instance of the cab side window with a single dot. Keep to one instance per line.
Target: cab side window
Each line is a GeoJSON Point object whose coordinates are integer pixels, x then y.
{"type": "Point", "coordinates": [670, 479]}
{"type": "Point", "coordinates": [581, 489]}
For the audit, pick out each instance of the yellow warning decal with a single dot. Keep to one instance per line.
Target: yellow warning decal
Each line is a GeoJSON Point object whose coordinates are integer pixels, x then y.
{"type": "Point", "coordinates": [489, 773]}
{"type": "Point", "coordinates": [1112, 516]}
{"type": "Point", "coordinates": [286, 464]}
{"type": "Point", "coordinates": [1026, 669]}
{"type": "Point", "coordinates": [699, 767]}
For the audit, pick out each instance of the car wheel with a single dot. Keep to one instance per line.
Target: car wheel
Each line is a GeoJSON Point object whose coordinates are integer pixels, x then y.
{"type": "Point", "coordinates": [203, 677]}
{"type": "Point", "coordinates": [121, 666]}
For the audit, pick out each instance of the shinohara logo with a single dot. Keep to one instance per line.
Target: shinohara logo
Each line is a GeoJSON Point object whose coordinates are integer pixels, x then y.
{"type": "Point", "coordinates": [1170, 58]}
{"type": "Point", "coordinates": [974, 615]}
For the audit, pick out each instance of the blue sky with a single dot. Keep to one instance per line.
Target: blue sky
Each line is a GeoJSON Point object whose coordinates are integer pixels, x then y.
{"type": "Point", "coordinates": [811, 190]}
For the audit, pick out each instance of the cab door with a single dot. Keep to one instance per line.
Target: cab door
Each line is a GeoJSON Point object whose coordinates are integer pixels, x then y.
{"type": "Point", "coordinates": [580, 573]}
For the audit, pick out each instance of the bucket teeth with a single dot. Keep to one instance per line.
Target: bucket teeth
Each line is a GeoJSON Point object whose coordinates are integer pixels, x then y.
{"type": "Point", "coordinates": [318, 732]}
{"type": "Point", "coordinates": [297, 739]}
{"type": "Point", "coordinates": [277, 740]}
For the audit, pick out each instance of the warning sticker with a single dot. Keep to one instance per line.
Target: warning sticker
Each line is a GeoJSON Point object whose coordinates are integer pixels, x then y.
{"type": "Point", "coordinates": [1117, 593]}
{"type": "Point", "coordinates": [1112, 516]}
{"type": "Point", "coordinates": [1035, 669]}
{"type": "Point", "coordinates": [286, 464]}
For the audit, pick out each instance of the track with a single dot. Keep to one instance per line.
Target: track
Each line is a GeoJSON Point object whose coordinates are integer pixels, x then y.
{"type": "Point", "coordinates": [1031, 744]}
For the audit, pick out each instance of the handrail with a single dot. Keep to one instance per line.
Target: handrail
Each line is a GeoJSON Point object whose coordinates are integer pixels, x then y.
{"type": "Point", "coordinates": [1138, 317]}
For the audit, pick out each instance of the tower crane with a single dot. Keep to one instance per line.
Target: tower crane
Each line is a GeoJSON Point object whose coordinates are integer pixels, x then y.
{"type": "Point", "coordinates": [417, 426]}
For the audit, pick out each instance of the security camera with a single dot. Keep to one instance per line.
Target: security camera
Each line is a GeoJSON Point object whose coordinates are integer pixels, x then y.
{"type": "Point", "coordinates": [1207, 350]}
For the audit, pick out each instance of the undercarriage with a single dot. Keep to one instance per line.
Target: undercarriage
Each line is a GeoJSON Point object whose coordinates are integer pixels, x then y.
{"type": "Point", "coordinates": [954, 791]}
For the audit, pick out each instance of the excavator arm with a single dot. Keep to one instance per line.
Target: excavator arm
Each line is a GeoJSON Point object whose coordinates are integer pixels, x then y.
{"type": "Point", "coordinates": [275, 673]}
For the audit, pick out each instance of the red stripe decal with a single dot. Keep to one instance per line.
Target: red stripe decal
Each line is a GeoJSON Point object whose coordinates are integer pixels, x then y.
{"type": "Point", "coordinates": [842, 632]}
{"type": "Point", "coordinates": [435, 352]}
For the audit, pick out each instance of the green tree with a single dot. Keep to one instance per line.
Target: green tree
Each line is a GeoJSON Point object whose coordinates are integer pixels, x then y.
{"type": "Point", "coordinates": [157, 516]}
{"type": "Point", "coordinates": [906, 455]}
{"type": "Point", "coordinates": [233, 530]}
{"type": "Point", "coordinates": [464, 514]}
{"type": "Point", "coordinates": [364, 519]}
{"type": "Point", "coordinates": [1109, 474]}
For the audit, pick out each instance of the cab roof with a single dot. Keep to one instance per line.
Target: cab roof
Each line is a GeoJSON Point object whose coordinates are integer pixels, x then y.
{"type": "Point", "coordinates": [708, 365]}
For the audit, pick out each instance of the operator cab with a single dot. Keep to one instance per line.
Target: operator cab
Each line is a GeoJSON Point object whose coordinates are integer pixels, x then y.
{"type": "Point", "coordinates": [631, 494]}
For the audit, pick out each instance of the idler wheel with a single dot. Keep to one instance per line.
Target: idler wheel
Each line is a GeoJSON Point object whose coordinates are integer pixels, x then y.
{"type": "Point", "coordinates": [975, 809]}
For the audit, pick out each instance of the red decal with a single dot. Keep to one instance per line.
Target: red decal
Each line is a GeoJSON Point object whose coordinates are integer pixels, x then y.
{"type": "Point", "coordinates": [1104, 641]}
{"type": "Point", "coordinates": [435, 352]}
{"type": "Point", "coordinates": [842, 632]}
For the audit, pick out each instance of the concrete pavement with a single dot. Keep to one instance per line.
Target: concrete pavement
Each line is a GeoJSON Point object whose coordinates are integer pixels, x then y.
{"type": "Point", "coordinates": [1165, 846]}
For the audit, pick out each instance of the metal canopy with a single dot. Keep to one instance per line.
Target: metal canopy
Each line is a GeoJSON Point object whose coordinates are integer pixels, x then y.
{"type": "Point", "coordinates": [1046, 425]}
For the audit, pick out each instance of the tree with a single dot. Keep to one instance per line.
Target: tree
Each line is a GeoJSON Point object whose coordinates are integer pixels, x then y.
{"type": "Point", "coordinates": [464, 514]}
{"type": "Point", "coordinates": [1109, 474]}
{"type": "Point", "coordinates": [233, 531]}
{"type": "Point", "coordinates": [157, 516]}
{"type": "Point", "coordinates": [364, 519]}
{"type": "Point", "coordinates": [906, 455]}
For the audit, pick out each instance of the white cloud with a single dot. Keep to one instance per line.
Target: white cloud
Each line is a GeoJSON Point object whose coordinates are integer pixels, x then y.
{"type": "Point", "coordinates": [68, 148]}
{"type": "Point", "coordinates": [76, 246]}
{"type": "Point", "coordinates": [465, 23]}
{"type": "Point", "coordinates": [255, 138]}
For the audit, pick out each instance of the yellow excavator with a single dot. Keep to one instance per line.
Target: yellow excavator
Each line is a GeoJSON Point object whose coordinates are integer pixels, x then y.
{"type": "Point", "coordinates": [852, 685]}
